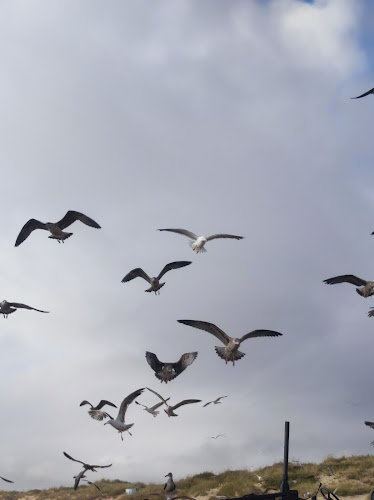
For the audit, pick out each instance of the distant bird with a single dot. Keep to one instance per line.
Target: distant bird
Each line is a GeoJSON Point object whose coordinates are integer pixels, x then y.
{"type": "Point", "coordinates": [168, 371]}
{"type": "Point", "coordinates": [371, 312]}
{"type": "Point", "coordinates": [152, 409]}
{"type": "Point", "coordinates": [55, 228]}
{"type": "Point", "coordinates": [170, 409]}
{"type": "Point", "coordinates": [7, 308]}
{"type": "Point", "coordinates": [169, 486]}
{"type": "Point", "coordinates": [230, 352]}
{"type": "Point", "coordinates": [87, 466]}
{"type": "Point", "coordinates": [216, 437]}
{"type": "Point", "coordinates": [96, 412]}
{"type": "Point", "coordinates": [215, 402]}
{"type": "Point", "coordinates": [371, 91]}
{"type": "Point", "coordinates": [119, 422]}
{"type": "Point", "coordinates": [198, 242]}
{"type": "Point", "coordinates": [366, 287]}
{"type": "Point", "coordinates": [154, 282]}
{"type": "Point", "coordinates": [7, 480]}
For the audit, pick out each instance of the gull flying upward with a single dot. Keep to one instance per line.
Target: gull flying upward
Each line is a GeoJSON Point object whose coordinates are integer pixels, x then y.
{"type": "Point", "coordinates": [371, 91]}
{"type": "Point", "coordinates": [215, 402]}
{"type": "Point", "coordinates": [170, 409]}
{"type": "Point", "coordinates": [96, 412]}
{"type": "Point", "coordinates": [366, 287]}
{"type": "Point", "coordinates": [10, 307]}
{"type": "Point", "coordinates": [230, 352]}
{"type": "Point", "coordinates": [55, 228]}
{"type": "Point", "coordinates": [197, 242]}
{"type": "Point", "coordinates": [155, 281]}
{"type": "Point", "coordinates": [168, 371]}
{"type": "Point", "coordinates": [119, 422]}
{"type": "Point", "coordinates": [152, 409]}
{"type": "Point", "coordinates": [87, 466]}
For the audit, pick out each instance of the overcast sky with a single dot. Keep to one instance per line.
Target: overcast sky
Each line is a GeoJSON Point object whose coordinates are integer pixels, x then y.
{"type": "Point", "coordinates": [212, 116]}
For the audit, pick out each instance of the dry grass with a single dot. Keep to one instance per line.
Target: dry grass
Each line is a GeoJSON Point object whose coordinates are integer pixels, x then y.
{"type": "Point", "coordinates": [352, 476]}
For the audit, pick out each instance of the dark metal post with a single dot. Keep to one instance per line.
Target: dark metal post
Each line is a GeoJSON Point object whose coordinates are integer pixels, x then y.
{"type": "Point", "coordinates": [285, 486]}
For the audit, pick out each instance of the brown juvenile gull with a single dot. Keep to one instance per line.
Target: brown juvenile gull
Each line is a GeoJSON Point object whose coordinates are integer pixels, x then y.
{"type": "Point", "coordinates": [96, 412]}
{"type": "Point", "coordinates": [169, 486]}
{"type": "Point", "coordinates": [55, 228]}
{"type": "Point", "coordinates": [371, 91]}
{"type": "Point", "coordinates": [168, 371]}
{"type": "Point", "coordinates": [119, 422]}
{"type": "Point", "coordinates": [7, 480]}
{"type": "Point", "coordinates": [170, 409]}
{"type": "Point", "coordinates": [197, 242]}
{"type": "Point", "coordinates": [152, 409]}
{"type": "Point", "coordinates": [230, 352]}
{"type": "Point", "coordinates": [366, 287]}
{"type": "Point", "coordinates": [10, 307]}
{"type": "Point", "coordinates": [87, 466]}
{"type": "Point", "coordinates": [215, 402]}
{"type": "Point", "coordinates": [155, 281]}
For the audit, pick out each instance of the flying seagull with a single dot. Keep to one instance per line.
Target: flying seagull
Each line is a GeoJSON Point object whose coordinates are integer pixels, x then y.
{"type": "Point", "coordinates": [371, 91]}
{"type": "Point", "coordinates": [230, 352]}
{"type": "Point", "coordinates": [119, 422]}
{"type": "Point", "coordinates": [152, 409]}
{"type": "Point", "coordinates": [170, 409]}
{"type": "Point", "coordinates": [87, 466]}
{"type": "Point", "coordinates": [366, 287]}
{"type": "Point", "coordinates": [215, 402]}
{"type": "Point", "coordinates": [168, 371]}
{"type": "Point", "coordinates": [197, 242]}
{"type": "Point", "coordinates": [55, 228]}
{"type": "Point", "coordinates": [169, 486]}
{"type": "Point", "coordinates": [96, 411]}
{"type": "Point", "coordinates": [93, 484]}
{"type": "Point", "coordinates": [154, 282]}
{"type": "Point", "coordinates": [215, 437]}
{"type": "Point", "coordinates": [7, 480]}
{"type": "Point", "coordinates": [78, 477]}
{"type": "Point", "coordinates": [10, 307]}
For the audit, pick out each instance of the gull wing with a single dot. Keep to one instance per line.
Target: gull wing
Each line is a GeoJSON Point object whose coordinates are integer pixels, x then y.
{"type": "Point", "coordinates": [7, 480]}
{"type": "Point", "coordinates": [157, 405]}
{"type": "Point", "coordinates": [221, 397]}
{"type": "Point", "coordinates": [157, 394]}
{"type": "Point", "coordinates": [125, 403]}
{"type": "Point", "coordinates": [78, 478]}
{"type": "Point", "coordinates": [173, 265]}
{"type": "Point", "coordinates": [71, 458]}
{"type": "Point", "coordinates": [208, 327]}
{"type": "Point", "coordinates": [371, 91]}
{"type": "Point", "coordinates": [186, 402]}
{"type": "Point", "coordinates": [346, 278]}
{"type": "Point", "coordinates": [185, 360]}
{"type": "Point", "coordinates": [93, 484]}
{"type": "Point", "coordinates": [27, 229]}
{"type": "Point", "coordinates": [136, 273]}
{"type": "Point", "coordinates": [153, 361]}
{"type": "Point", "coordinates": [24, 306]}
{"type": "Point", "coordinates": [369, 424]}
{"type": "Point", "coordinates": [216, 236]}
{"type": "Point", "coordinates": [260, 333]}
{"type": "Point", "coordinates": [193, 236]}
{"type": "Point", "coordinates": [371, 313]}
{"type": "Point", "coordinates": [206, 404]}
{"type": "Point", "coordinates": [103, 402]}
{"type": "Point", "coordinates": [86, 403]}
{"type": "Point", "coordinates": [71, 216]}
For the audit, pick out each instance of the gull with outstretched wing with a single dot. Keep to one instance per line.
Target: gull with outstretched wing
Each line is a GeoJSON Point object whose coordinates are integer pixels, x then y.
{"type": "Point", "coordinates": [197, 242]}
{"type": "Point", "coordinates": [155, 281]}
{"type": "Point", "coordinates": [170, 409]}
{"type": "Point", "coordinates": [168, 371]}
{"type": "Point", "coordinates": [119, 422]}
{"type": "Point", "coordinates": [366, 288]}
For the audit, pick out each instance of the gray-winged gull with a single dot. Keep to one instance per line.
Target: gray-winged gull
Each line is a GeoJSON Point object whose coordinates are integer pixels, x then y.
{"type": "Point", "coordinates": [170, 409]}
{"type": "Point", "coordinates": [230, 352]}
{"type": "Point", "coordinates": [198, 242]}
{"type": "Point", "coordinates": [152, 409]}
{"type": "Point", "coordinates": [366, 287]}
{"type": "Point", "coordinates": [87, 466]}
{"type": "Point", "coordinates": [168, 371]}
{"type": "Point", "coordinates": [55, 228]}
{"type": "Point", "coordinates": [119, 422]}
{"type": "Point", "coordinates": [7, 308]}
{"type": "Point", "coordinates": [215, 402]}
{"type": "Point", "coordinates": [155, 281]}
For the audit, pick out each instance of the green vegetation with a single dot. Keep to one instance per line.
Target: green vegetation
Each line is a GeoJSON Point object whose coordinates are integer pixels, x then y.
{"type": "Point", "coordinates": [351, 476]}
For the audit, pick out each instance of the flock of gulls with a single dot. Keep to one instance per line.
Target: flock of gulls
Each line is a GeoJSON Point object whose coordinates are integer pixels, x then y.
{"type": "Point", "coordinates": [165, 372]}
